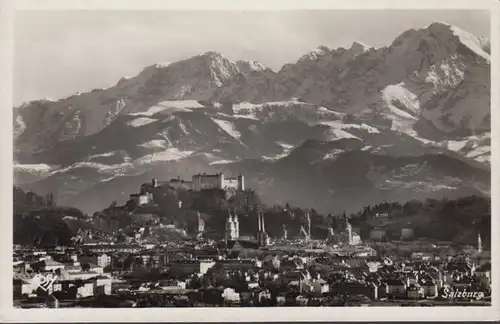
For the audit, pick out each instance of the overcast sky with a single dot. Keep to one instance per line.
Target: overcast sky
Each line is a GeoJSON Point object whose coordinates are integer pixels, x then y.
{"type": "Point", "coordinates": [60, 53]}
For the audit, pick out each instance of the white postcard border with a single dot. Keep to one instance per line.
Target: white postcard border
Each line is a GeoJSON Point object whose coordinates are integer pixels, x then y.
{"type": "Point", "coordinates": [9, 314]}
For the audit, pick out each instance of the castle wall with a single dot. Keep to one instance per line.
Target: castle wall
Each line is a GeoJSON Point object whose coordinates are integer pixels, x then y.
{"type": "Point", "coordinates": [180, 184]}
{"type": "Point", "coordinates": [208, 181]}
{"type": "Point", "coordinates": [230, 183]}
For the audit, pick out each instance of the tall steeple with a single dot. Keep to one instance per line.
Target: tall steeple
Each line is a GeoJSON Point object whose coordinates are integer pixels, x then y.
{"type": "Point", "coordinates": [261, 233]}
{"type": "Point", "coordinates": [479, 243]}
{"type": "Point", "coordinates": [230, 228]}
{"type": "Point", "coordinates": [308, 218]}
{"type": "Point", "coordinates": [236, 224]}
{"type": "Point", "coordinates": [262, 221]}
{"type": "Point", "coordinates": [349, 233]}
{"type": "Point", "coordinates": [259, 229]}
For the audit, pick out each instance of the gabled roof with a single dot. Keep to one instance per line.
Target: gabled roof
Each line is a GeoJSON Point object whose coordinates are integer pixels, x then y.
{"type": "Point", "coordinates": [242, 244]}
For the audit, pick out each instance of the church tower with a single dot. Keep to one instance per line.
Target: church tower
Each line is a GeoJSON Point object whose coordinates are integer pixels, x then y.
{"type": "Point", "coordinates": [479, 243]}
{"type": "Point", "coordinates": [201, 225]}
{"type": "Point", "coordinates": [232, 227]}
{"type": "Point", "coordinates": [308, 219]}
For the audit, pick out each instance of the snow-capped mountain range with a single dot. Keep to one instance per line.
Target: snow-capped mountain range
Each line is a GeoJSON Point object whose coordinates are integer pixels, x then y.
{"type": "Point", "coordinates": [425, 95]}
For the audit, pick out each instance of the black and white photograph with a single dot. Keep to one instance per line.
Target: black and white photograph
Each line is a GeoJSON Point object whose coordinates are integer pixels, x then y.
{"type": "Point", "coordinates": [242, 158]}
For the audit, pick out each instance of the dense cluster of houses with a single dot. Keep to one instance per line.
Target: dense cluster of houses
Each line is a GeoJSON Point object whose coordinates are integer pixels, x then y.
{"type": "Point", "coordinates": [209, 274]}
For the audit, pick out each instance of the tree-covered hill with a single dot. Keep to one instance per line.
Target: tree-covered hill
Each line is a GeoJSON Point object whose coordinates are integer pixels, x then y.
{"type": "Point", "coordinates": [38, 221]}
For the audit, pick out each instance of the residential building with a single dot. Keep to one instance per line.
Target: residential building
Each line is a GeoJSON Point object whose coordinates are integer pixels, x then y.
{"type": "Point", "coordinates": [103, 260]}
{"type": "Point", "coordinates": [396, 288]}
{"type": "Point", "coordinates": [377, 234]}
{"type": "Point", "coordinates": [188, 267]}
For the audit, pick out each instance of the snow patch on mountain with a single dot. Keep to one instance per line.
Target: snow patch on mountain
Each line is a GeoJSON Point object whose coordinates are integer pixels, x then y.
{"type": "Point", "coordinates": [180, 104]}
{"type": "Point", "coordinates": [471, 41]}
{"type": "Point", "coordinates": [221, 162]}
{"type": "Point", "coordinates": [287, 148]}
{"type": "Point", "coordinates": [154, 144]}
{"type": "Point", "coordinates": [336, 134]}
{"type": "Point", "coordinates": [169, 107]}
{"type": "Point", "coordinates": [99, 166]}
{"type": "Point", "coordinates": [72, 127]}
{"type": "Point", "coordinates": [365, 127]}
{"type": "Point", "coordinates": [445, 74]}
{"type": "Point", "coordinates": [182, 126]}
{"type": "Point", "coordinates": [479, 151]}
{"type": "Point", "coordinates": [401, 101]}
{"type": "Point", "coordinates": [303, 111]}
{"type": "Point", "coordinates": [228, 127]}
{"type": "Point", "coordinates": [285, 145]}
{"type": "Point", "coordinates": [417, 186]}
{"type": "Point", "coordinates": [170, 154]}
{"type": "Point", "coordinates": [141, 121]}
{"type": "Point", "coordinates": [333, 154]}
{"type": "Point", "coordinates": [246, 109]}
{"type": "Point", "coordinates": [111, 115]}
{"type": "Point", "coordinates": [42, 168]}
{"type": "Point", "coordinates": [108, 154]}
{"type": "Point", "coordinates": [246, 66]}
{"type": "Point", "coordinates": [455, 145]}
{"type": "Point", "coordinates": [337, 129]}
{"type": "Point", "coordinates": [162, 64]}
{"type": "Point", "coordinates": [315, 54]}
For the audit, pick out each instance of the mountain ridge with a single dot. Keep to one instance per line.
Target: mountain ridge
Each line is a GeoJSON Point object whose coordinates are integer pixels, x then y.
{"type": "Point", "coordinates": [408, 99]}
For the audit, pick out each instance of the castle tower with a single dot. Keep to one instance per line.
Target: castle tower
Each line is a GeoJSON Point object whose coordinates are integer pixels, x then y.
{"type": "Point", "coordinates": [479, 243]}
{"type": "Point", "coordinates": [285, 232]}
{"type": "Point", "coordinates": [154, 183]}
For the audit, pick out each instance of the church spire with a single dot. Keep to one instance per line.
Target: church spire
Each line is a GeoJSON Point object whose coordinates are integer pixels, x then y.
{"type": "Point", "coordinates": [259, 229]}
{"type": "Point", "coordinates": [263, 225]}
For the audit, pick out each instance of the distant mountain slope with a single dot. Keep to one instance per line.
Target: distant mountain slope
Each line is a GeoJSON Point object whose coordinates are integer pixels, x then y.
{"type": "Point", "coordinates": [307, 123]}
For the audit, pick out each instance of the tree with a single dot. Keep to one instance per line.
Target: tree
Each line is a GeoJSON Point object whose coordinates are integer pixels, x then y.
{"type": "Point", "coordinates": [85, 267]}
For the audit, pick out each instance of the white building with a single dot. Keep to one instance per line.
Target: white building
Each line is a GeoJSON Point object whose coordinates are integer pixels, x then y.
{"type": "Point", "coordinates": [231, 295]}
{"type": "Point", "coordinates": [232, 227]}
{"type": "Point", "coordinates": [217, 181]}
{"type": "Point", "coordinates": [86, 290]}
{"type": "Point", "coordinates": [103, 260]}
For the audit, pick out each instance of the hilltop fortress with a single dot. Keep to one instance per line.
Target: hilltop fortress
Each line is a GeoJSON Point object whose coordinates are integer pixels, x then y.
{"type": "Point", "coordinates": [217, 181]}
{"type": "Point", "coordinates": [199, 182]}
{"type": "Point", "coordinates": [205, 181]}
